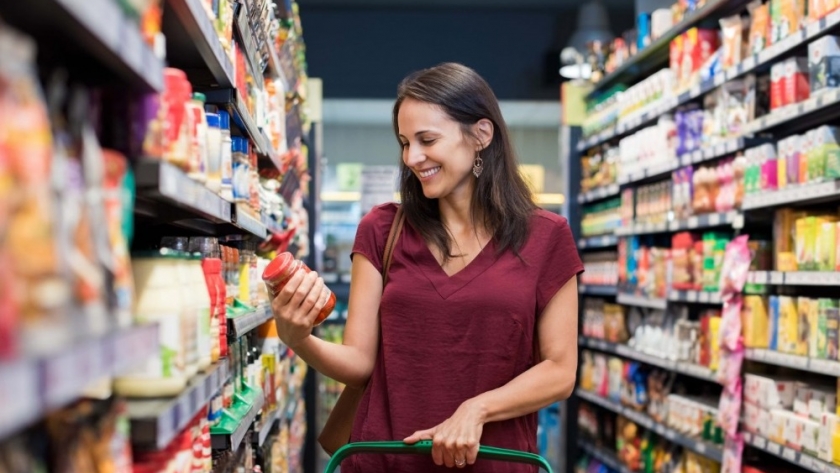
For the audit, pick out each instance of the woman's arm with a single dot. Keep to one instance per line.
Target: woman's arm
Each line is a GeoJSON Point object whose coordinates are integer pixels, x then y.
{"type": "Point", "coordinates": [350, 363]}
{"type": "Point", "coordinates": [456, 439]}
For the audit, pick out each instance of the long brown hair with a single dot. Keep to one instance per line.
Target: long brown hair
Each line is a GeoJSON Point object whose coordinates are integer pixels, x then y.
{"type": "Point", "coordinates": [501, 195]}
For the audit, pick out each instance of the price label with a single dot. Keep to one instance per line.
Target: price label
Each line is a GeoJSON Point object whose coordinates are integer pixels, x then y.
{"type": "Point", "coordinates": [705, 297]}
{"type": "Point", "coordinates": [815, 27]}
{"type": "Point", "coordinates": [700, 448]}
{"type": "Point", "coordinates": [714, 219]}
{"type": "Point", "coordinates": [692, 296]}
{"type": "Point", "coordinates": [719, 79]}
{"type": "Point", "coordinates": [695, 91]}
{"type": "Point", "coordinates": [831, 368]}
{"type": "Point", "coordinates": [720, 149]}
{"type": "Point", "coordinates": [760, 442]}
{"type": "Point", "coordinates": [749, 63]}
{"type": "Point", "coordinates": [732, 146]}
{"type": "Point", "coordinates": [774, 448]}
{"type": "Point", "coordinates": [789, 454]}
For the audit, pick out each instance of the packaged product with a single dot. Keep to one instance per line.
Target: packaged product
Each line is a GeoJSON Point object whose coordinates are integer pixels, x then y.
{"type": "Point", "coordinates": [789, 325]}
{"type": "Point", "coordinates": [828, 425]}
{"type": "Point", "coordinates": [814, 328]}
{"type": "Point", "coordinates": [777, 85]}
{"type": "Point", "coordinates": [826, 247]}
{"type": "Point", "coordinates": [796, 80]}
{"type": "Point", "coordinates": [759, 26]}
{"type": "Point", "coordinates": [831, 312]}
{"type": "Point", "coordinates": [773, 325]}
{"type": "Point", "coordinates": [824, 63]}
{"type": "Point", "coordinates": [736, 266]}
{"type": "Point", "coordinates": [734, 47]}
{"type": "Point", "coordinates": [732, 453]}
{"type": "Point", "coordinates": [729, 409]}
{"type": "Point", "coordinates": [786, 17]}
{"type": "Point", "coordinates": [756, 322]}
{"type": "Point", "coordinates": [804, 329]}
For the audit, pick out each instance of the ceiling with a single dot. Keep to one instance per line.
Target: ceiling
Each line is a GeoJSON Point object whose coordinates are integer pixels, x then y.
{"type": "Point", "coordinates": [517, 4]}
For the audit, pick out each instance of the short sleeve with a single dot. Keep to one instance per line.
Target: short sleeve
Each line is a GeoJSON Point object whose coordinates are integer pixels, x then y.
{"type": "Point", "coordinates": [372, 233]}
{"type": "Point", "coordinates": [561, 261]}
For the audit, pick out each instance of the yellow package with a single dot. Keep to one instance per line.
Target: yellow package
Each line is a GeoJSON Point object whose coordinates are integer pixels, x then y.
{"type": "Point", "coordinates": [803, 329]}
{"type": "Point", "coordinates": [837, 246]}
{"type": "Point", "coordinates": [788, 324]}
{"type": "Point", "coordinates": [814, 329]}
{"type": "Point", "coordinates": [806, 242]}
{"type": "Point", "coordinates": [756, 322]}
{"type": "Point", "coordinates": [714, 343]}
{"type": "Point", "coordinates": [826, 251]}
{"type": "Point", "coordinates": [784, 237]}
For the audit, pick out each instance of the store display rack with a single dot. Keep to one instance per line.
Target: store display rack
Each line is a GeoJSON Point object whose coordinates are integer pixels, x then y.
{"type": "Point", "coordinates": [234, 440]}
{"type": "Point", "coordinates": [155, 422]}
{"type": "Point", "coordinates": [642, 301]}
{"type": "Point", "coordinates": [695, 445]}
{"type": "Point", "coordinates": [97, 27]}
{"type": "Point", "coordinates": [699, 297]}
{"type": "Point", "coordinates": [795, 278]}
{"type": "Point", "coordinates": [603, 241]}
{"type": "Point", "coordinates": [597, 290]}
{"type": "Point", "coordinates": [31, 388]}
{"type": "Point", "coordinates": [624, 351]}
{"type": "Point", "coordinates": [598, 194]}
{"type": "Point", "coordinates": [604, 455]}
{"type": "Point", "coordinates": [189, 29]}
{"type": "Point", "coordinates": [754, 62]}
{"type": "Point", "coordinates": [803, 460]}
{"type": "Point", "coordinates": [695, 222]}
{"type": "Point", "coordinates": [243, 324]}
{"type": "Point", "coordinates": [803, 363]}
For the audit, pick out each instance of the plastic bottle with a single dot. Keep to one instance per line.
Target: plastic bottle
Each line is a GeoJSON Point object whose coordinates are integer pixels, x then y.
{"type": "Point", "coordinates": [214, 153]}
{"type": "Point", "coordinates": [198, 288]}
{"type": "Point", "coordinates": [226, 160]}
{"type": "Point", "coordinates": [278, 272]}
{"type": "Point", "coordinates": [158, 299]}
{"type": "Point", "coordinates": [198, 137]}
{"type": "Point", "coordinates": [241, 170]}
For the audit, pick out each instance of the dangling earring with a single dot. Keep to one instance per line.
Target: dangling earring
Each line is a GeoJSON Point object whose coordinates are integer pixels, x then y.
{"type": "Point", "coordinates": [478, 165]}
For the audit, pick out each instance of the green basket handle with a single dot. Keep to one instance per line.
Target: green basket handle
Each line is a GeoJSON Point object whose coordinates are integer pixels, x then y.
{"type": "Point", "coordinates": [425, 447]}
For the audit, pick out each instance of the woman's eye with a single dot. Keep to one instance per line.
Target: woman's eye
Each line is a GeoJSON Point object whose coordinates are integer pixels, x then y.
{"type": "Point", "coordinates": [427, 142]}
{"type": "Point", "coordinates": [403, 145]}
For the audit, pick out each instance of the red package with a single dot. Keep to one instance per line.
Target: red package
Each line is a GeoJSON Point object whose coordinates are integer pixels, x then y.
{"type": "Point", "coordinates": [777, 86]}
{"type": "Point", "coordinates": [675, 56]}
{"type": "Point", "coordinates": [796, 82]}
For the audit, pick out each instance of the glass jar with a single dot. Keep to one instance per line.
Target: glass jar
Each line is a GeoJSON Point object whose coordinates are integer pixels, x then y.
{"type": "Point", "coordinates": [278, 273]}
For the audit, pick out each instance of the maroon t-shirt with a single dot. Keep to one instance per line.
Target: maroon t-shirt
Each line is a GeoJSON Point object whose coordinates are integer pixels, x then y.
{"type": "Point", "coordinates": [448, 339]}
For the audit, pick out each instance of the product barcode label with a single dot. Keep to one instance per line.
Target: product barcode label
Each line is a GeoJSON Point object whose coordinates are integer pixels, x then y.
{"type": "Point", "coordinates": [760, 442]}
{"type": "Point", "coordinates": [774, 448]}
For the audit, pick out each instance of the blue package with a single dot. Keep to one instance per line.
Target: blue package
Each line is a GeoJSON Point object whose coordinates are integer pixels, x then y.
{"type": "Point", "coordinates": [643, 37]}
{"type": "Point", "coordinates": [775, 311]}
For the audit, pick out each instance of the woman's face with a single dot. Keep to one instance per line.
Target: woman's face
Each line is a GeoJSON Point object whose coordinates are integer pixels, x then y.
{"type": "Point", "coordinates": [436, 150]}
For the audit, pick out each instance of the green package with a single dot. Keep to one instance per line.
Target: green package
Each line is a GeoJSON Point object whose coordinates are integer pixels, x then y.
{"type": "Point", "coordinates": [827, 309]}
{"type": "Point", "coordinates": [826, 247]}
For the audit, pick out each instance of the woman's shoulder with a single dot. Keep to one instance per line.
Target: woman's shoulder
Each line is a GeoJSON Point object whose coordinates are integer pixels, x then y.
{"type": "Point", "coordinates": [381, 215]}
{"type": "Point", "coordinates": [543, 220]}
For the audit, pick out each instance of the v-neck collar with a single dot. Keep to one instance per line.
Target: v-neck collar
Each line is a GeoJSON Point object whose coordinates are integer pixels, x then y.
{"type": "Point", "coordinates": [443, 283]}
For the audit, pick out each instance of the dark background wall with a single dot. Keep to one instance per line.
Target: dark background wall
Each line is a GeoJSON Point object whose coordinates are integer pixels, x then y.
{"type": "Point", "coordinates": [364, 52]}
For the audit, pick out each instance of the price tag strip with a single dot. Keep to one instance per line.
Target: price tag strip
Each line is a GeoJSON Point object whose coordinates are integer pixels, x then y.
{"type": "Point", "coordinates": [803, 460]}
{"type": "Point", "coordinates": [629, 299]}
{"type": "Point", "coordinates": [245, 323]}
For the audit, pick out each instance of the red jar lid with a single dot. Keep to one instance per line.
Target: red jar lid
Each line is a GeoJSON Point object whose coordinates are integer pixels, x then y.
{"type": "Point", "coordinates": [212, 265]}
{"type": "Point", "coordinates": [279, 267]}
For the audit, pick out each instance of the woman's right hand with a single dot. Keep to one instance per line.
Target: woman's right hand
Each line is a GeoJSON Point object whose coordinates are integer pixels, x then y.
{"type": "Point", "coordinates": [297, 306]}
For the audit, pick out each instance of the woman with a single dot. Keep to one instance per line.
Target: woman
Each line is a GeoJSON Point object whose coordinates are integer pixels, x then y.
{"type": "Point", "coordinates": [477, 271]}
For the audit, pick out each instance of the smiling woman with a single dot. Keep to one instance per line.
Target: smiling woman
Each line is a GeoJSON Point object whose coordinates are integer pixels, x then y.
{"type": "Point", "coordinates": [475, 330]}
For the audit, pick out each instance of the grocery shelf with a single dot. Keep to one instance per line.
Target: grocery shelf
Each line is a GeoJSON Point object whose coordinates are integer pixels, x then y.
{"type": "Point", "coordinates": [795, 194]}
{"type": "Point", "coordinates": [243, 324]}
{"type": "Point", "coordinates": [719, 150]}
{"type": "Point", "coordinates": [30, 388]}
{"type": "Point", "coordinates": [597, 290]}
{"type": "Point", "coordinates": [603, 241]}
{"type": "Point", "coordinates": [795, 278]}
{"type": "Point", "coordinates": [656, 54]}
{"type": "Point", "coordinates": [804, 363]}
{"type": "Point", "coordinates": [803, 460]}
{"type": "Point", "coordinates": [657, 170]}
{"type": "Point", "coordinates": [641, 301]}
{"type": "Point", "coordinates": [699, 297]}
{"type": "Point", "coordinates": [268, 424]}
{"type": "Point", "coordinates": [698, 446]}
{"type": "Point", "coordinates": [232, 101]}
{"type": "Point", "coordinates": [244, 220]}
{"type": "Point", "coordinates": [249, 45]}
{"type": "Point", "coordinates": [716, 219]}
{"type": "Point", "coordinates": [191, 29]}
{"type": "Point", "coordinates": [605, 456]}
{"type": "Point", "coordinates": [598, 194]}
{"type": "Point", "coordinates": [234, 440]}
{"type": "Point", "coordinates": [624, 351]}
{"type": "Point", "coordinates": [99, 28]}
{"type": "Point", "coordinates": [155, 422]}
{"type": "Point", "coordinates": [163, 181]}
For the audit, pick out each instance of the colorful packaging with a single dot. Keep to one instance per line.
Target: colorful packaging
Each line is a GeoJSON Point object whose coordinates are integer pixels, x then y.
{"type": "Point", "coordinates": [773, 326]}
{"type": "Point", "coordinates": [814, 328]}
{"type": "Point", "coordinates": [789, 326]}
{"type": "Point", "coordinates": [824, 63]}
{"type": "Point", "coordinates": [828, 425]}
{"type": "Point", "coordinates": [759, 27]}
{"type": "Point", "coordinates": [826, 247]}
{"type": "Point", "coordinates": [756, 322]}
{"type": "Point", "coordinates": [786, 18]}
{"type": "Point", "coordinates": [797, 88]}
{"type": "Point", "coordinates": [803, 336]}
{"type": "Point", "coordinates": [734, 43]}
{"type": "Point", "coordinates": [777, 86]}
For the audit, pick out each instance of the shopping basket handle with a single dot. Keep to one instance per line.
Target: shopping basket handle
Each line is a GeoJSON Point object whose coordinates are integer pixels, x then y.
{"type": "Point", "coordinates": [425, 447]}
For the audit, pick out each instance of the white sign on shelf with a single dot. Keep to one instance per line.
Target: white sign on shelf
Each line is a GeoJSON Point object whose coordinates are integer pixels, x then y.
{"type": "Point", "coordinates": [378, 186]}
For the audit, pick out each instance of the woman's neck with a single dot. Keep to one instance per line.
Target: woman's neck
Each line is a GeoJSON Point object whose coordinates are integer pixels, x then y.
{"type": "Point", "coordinates": [456, 214]}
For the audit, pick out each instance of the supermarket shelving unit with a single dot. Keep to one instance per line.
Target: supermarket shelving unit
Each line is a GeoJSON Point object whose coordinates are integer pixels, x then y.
{"type": "Point", "coordinates": [99, 45]}
{"type": "Point", "coordinates": [815, 111]}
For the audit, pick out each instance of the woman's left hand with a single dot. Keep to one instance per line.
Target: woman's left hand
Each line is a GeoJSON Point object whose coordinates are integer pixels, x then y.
{"type": "Point", "coordinates": [455, 441]}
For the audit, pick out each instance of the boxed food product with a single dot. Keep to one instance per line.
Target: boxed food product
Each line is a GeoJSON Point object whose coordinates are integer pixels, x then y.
{"type": "Point", "coordinates": [824, 63]}
{"type": "Point", "coordinates": [801, 398]}
{"type": "Point", "coordinates": [788, 325]}
{"type": "Point", "coordinates": [777, 85]}
{"type": "Point", "coordinates": [796, 80]}
{"type": "Point", "coordinates": [773, 325]}
{"type": "Point", "coordinates": [786, 17]}
{"type": "Point", "coordinates": [759, 27]}
{"type": "Point", "coordinates": [810, 436]}
{"type": "Point", "coordinates": [755, 322]}
{"type": "Point", "coordinates": [814, 328]}
{"type": "Point", "coordinates": [794, 431]}
{"type": "Point", "coordinates": [826, 251]}
{"type": "Point", "coordinates": [821, 399]}
{"type": "Point", "coordinates": [828, 425]}
{"type": "Point", "coordinates": [778, 425]}
{"type": "Point", "coordinates": [733, 30]}
{"type": "Point", "coordinates": [831, 309]}
{"type": "Point", "coordinates": [804, 329]}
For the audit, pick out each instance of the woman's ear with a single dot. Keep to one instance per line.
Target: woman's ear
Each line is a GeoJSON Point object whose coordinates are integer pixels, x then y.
{"type": "Point", "coordinates": [483, 131]}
